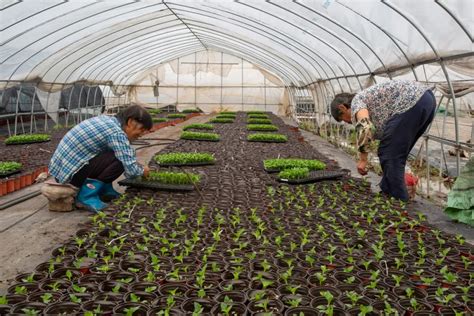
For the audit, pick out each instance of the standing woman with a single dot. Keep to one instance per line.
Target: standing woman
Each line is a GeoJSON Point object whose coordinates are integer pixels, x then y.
{"type": "Point", "coordinates": [97, 151]}
{"type": "Point", "coordinates": [397, 113]}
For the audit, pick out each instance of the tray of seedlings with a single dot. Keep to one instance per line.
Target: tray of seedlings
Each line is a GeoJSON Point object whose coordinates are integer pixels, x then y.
{"type": "Point", "coordinates": [200, 136]}
{"type": "Point", "coordinates": [176, 116]}
{"type": "Point", "coordinates": [262, 127]}
{"type": "Point", "coordinates": [8, 168]}
{"type": "Point", "coordinates": [267, 138]}
{"type": "Point", "coordinates": [259, 121]}
{"type": "Point", "coordinates": [223, 118]}
{"type": "Point", "coordinates": [159, 119]}
{"type": "Point", "coordinates": [170, 181]}
{"type": "Point", "coordinates": [198, 126]}
{"type": "Point", "coordinates": [180, 159]}
{"type": "Point", "coordinates": [304, 175]}
{"type": "Point", "coordinates": [258, 116]}
{"type": "Point", "coordinates": [154, 111]}
{"type": "Point", "coordinates": [188, 111]}
{"type": "Point", "coordinates": [277, 165]}
{"type": "Point", "coordinates": [27, 139]}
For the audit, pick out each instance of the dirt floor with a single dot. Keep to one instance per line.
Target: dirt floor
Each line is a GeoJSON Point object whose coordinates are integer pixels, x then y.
{"type": "Point", "coordinates": [29, 232]}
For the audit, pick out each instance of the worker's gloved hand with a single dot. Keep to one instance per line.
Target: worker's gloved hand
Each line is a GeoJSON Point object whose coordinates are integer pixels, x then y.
{"type": "Point", "coordinates": [362, 167]}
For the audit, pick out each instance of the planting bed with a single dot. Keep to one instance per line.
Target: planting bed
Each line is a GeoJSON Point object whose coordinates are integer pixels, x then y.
{"type": "Point", "coordinates": [254, 245]}
{"type": "Point", "coordinates": [31, 156]}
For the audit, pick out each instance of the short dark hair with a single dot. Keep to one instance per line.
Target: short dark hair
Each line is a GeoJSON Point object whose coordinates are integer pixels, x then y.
{"type": "Point", "coordinates": [136, 113]}
{"type": "Point", "coordinates": [341, 98]}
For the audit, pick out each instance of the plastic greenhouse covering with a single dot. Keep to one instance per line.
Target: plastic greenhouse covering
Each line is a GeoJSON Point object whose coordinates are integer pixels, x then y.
{"type": "Point", "coordinates": [218, 54]}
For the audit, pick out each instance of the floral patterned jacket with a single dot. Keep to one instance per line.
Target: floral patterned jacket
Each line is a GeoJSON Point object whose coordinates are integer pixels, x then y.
{"type": "Point", "coordinates": [383, 101]}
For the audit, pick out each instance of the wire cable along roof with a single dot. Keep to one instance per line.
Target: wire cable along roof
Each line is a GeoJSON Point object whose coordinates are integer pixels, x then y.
{"type": "Point", "coordinates": [301, 42]}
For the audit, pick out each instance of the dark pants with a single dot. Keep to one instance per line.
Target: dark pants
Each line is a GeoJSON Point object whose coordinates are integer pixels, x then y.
{"type": "Point", "coordinates": [400, 135]}
{"type": "Point", "coordinates": [104, 167]}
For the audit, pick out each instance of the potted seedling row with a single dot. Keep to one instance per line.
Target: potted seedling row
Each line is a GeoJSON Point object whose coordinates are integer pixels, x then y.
{"type": "Point", "coordinates": [267, 138]}
{"type": "Point", "coordinates": [259, 121]}
{"type": "Point", "coordinates": [27, 139]}
{"type": "Point", "coordinates": [176, 116]}
{"type": "Point", "coordinates": [154, 111]}
{"type": "Point", "coordinates": [222, 120]}
{"type": "Point", "coordinates": [262, 127]}
{"type": "Point", "coordinates": [184, 159]}
{"type": "Point", "coordinates": [191, 111]}
{"type": "Point", "coordinates": [277, 165]}
{"type": "Point", "coordinates": [200, 136]}
{"type": "Point", "coordinates": [8, 168]}
{"type": "Point", "coordinates": [164, 181]}
{"type": "Point", "coordinates": [198, 126]}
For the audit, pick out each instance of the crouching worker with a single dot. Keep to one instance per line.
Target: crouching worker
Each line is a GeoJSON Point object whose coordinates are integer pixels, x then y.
{"type": "Point", "coordinates": [96, 152]}
{"type": "Point", "coordinates": [397, 113]}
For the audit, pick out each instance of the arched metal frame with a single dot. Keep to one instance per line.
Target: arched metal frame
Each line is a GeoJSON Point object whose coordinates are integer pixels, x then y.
{"type": "Point", "coordinates": [195, 35]}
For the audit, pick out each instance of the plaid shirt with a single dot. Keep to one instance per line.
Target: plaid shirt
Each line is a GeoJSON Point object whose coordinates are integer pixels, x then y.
{"type": "Point", "coordinates": [89, 139]}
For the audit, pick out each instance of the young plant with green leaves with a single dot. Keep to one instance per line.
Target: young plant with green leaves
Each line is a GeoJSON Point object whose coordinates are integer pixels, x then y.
{"type": "Point", "coordinates": [159, 119]}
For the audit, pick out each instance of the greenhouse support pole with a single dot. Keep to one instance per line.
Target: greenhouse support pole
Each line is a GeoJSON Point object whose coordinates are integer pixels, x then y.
{"type": "Point", "coordinates": [32, 108]}
{"type": "Point", "coordinates": [222, 75]}
{"type": "Point", "coordinates": [195, 80]}
{"type": "Point", "coordinates": [18, 94]}
{"type": "Point", "coordinates": [177, 84]}
{"type": "Point", "coordinates": [456, 122]}
{"type": "Point", "coordinates": [79, 103]}
{"type": "Point", "coordinates": [69, 104]}
{"type": "Point", "coordinates": [265, 92]}
{"type": "Point", "coordinates": [242, 96]}
{"type": "Point", "coordinates": [87, 101]}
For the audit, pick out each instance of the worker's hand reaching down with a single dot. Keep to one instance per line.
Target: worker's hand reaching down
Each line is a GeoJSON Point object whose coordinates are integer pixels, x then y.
{"type": "Point", "coordinates": [146, 171]}
{"type": "Point", "coordinates": [362, 167]}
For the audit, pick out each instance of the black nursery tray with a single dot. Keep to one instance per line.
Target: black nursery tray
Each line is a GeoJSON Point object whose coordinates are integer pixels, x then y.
{"type": "Point", "coordinates": [9, 173]}
{"type": "Point", "coordinates": [317, 175]}
{"type": "Point", "coordinates": [138, 183]}
{"type": "Point", "coordinates": [191, 164]}
{"type": "Point", "coordinates": [267, 141]}
{"type": "Point", "coordinates": [202, 140]}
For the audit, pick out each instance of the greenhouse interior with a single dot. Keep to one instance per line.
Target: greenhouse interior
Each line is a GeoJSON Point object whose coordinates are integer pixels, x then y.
{"type": "Point", "coordinates": [245, 157]}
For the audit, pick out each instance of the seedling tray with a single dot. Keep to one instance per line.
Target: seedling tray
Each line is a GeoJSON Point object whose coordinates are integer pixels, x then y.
{"type": "Point", "coordinates": [201, 140]}
{"type": "Point", "coordinates": [318, 175]}
{"type": "Point", "coordinates": [138, 183]}
{"type": "Point", "coordinates": [190, 164]}
{"type": "Point", "coordinates": [9, 173]}
{"type": "Point", "coordinates": [267, 141]}
{"type": "Point", "coordinates": [30, 142]}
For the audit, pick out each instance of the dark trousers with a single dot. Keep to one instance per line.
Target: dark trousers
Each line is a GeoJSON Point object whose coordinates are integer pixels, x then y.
{"type": "Point", "coordinates": [104, 167]}
{"type": "Point", "coordinates": [400, 135]}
